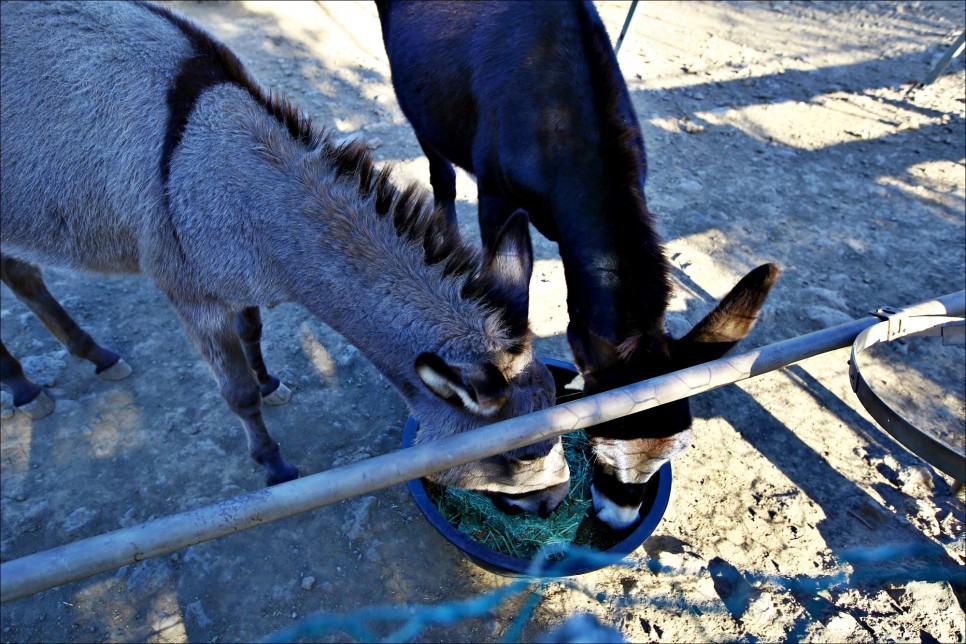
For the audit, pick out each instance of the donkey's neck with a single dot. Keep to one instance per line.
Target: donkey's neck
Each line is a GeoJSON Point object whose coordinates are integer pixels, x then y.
{"type": "Point", "coordinates": [307, 222]}
{"type": "Point", "coordinates": [629, 271]}
{"type": "Point", "coordinates": [374, 286]}
{"type": "Point", "coordinates": [616, 271]}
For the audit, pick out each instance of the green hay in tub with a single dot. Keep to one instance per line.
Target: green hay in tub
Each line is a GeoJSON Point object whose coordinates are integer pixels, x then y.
{"type": "Point", "coordinates": [522, 535]}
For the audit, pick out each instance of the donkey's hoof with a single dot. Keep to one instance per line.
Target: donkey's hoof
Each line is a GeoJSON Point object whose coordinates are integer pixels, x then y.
{"type": "Point", "coordinates": [280, 396]}
{"type": "Point", "coordinates": [282, 474]}
{"type": "Point", "coordinates": [39, 407]}
{"type": "Point", "coordinates": [117, 371]}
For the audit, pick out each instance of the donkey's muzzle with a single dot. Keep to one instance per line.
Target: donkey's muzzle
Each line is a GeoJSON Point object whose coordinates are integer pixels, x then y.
{"type": "Point", "coordinates": [615, 503]}
{"type": "Point", "coordinates": [541, 502]}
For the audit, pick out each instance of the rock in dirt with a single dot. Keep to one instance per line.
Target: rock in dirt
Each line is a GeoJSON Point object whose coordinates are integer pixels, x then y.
{"type": "Point", "coordinates": [347, 356]}
{"type": "Point", "coordinates": [78, 519]}
{"type": "Point", "coordinates": [354, 526]}
{"type": "Point", "coordinates": [195, 609]}
{"type": "Point", "coordinates": [833, 298]}
{"type": "Point", "coordinates": [44, 370]}
{"type": "Point", "coordinates": [840, 628]}
{"type": "Point", "coordinates": [308, 583]}
{"type": "Point", "coordinates": [762, 610]}
{"type": "Point", "coordinates": [826, 316]}
{"type": "Point", "coordinates": [691, 127]}
{"type": "Point", "coordinates": [916, 480]}
{"type": "Point", "coordinates": [372, 552]}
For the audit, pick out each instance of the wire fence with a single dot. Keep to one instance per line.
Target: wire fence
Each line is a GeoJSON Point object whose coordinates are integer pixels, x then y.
{"type": "Point", "coordinates": [857, 567]}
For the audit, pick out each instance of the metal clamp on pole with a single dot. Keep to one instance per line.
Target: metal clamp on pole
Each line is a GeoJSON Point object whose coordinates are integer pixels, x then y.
{"type": "Point", "coordinates": [929, 448]}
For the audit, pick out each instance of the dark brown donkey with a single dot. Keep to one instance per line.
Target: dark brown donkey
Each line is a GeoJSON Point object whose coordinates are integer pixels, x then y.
{"type": "Point", "coordinates": [528, 97]}
{"type": "Point", "coordinates": [133, 141]}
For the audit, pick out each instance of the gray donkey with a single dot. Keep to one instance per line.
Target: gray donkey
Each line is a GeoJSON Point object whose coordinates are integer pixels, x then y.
{"type": "Point", "coordinates": [132, 141]}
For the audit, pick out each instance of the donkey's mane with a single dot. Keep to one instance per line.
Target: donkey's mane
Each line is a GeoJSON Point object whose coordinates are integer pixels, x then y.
{"type": "Point", "coordinates": [410, 209]}
{"type": "Point", "coordinates": [645, 284]}
{"type": "Point", "coordinates": [413, 216]}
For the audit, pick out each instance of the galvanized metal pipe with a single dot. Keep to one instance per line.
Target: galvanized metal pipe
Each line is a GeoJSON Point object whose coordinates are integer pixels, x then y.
{"type": "Point", "coordinates": [43, 570]}
{"type": "Point", "coordinates": [627, 23]}
{"type": "Point", "coordinates": [954, 50]}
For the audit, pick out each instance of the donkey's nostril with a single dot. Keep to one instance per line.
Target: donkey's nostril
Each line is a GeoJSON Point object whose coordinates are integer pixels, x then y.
{"type": "Point", "coordinates": [505, 505]}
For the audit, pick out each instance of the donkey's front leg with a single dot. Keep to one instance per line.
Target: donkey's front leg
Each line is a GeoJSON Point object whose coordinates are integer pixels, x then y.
{"type": "Point", "coordinates": [494, 209]}
{"type": "Point", "coordinates": [249, 326]}
{"type": "Point", "coordinates": [212, 330]}
{"type": "Point", "coordinates": [443, 179]}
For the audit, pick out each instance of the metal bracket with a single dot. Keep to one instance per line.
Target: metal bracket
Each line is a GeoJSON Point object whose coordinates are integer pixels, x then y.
{"type": "Point", "coordinates": [895, 321]}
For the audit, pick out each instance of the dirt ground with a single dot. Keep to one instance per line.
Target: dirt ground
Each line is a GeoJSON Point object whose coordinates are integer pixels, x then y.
{"type": "Point", "coordinates": [776, 132]}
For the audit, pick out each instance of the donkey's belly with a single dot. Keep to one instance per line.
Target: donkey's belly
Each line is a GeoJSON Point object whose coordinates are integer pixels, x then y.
{"type": "Point", "coordinates": [111, 263]}
{"type": "Point", "coordinates": [102, 249]}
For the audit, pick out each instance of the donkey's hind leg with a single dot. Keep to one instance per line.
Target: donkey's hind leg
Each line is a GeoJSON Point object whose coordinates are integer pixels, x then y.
{"type": "Point", "coordinates": [249, 325]}
{"type": "Point", "coordinates": [28, 285]}
{"type": "Point", "coordinates": [212, 331]}
{"type": "Point", "coordinates": [28, 396]}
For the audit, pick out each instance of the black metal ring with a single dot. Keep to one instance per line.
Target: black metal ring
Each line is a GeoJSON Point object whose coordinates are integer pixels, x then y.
{"type": "Point", "coordinates": [929, 448]}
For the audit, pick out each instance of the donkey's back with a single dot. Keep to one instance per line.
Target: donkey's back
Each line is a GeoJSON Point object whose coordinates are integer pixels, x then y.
{"type": "Point", "coordinates": [89, 203]}
{"type": "Point", "coordinates": [133, 140]}
{"type": "Point", "coordinates": [506, 91]}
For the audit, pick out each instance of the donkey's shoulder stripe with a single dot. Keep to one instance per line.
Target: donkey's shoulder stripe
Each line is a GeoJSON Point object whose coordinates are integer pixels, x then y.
{"type": "Point", "coordinates": [213, 64]}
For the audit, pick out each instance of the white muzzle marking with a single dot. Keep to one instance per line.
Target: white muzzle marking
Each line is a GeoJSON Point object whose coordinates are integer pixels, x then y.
{"type": "Point", "coordinates": [618, 517]}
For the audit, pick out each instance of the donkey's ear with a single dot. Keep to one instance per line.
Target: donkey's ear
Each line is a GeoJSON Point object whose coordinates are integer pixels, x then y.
{"type": "Point", "coordinates": [479, 390]}
{"type": "Point", "coordinates": [510, 262]}
{"type": "Point", "coordinates": [729, 322]}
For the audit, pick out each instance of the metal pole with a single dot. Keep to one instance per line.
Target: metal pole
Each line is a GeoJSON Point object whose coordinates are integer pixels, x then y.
{"type": "Point", "coordinates": [627, 23]}
{"type": "Point", "coordinates": [954, 50]}
{"type": "Point", "coordinates": [43, 570]}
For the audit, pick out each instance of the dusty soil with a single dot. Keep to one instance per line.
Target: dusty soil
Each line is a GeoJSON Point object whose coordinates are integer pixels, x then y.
{"type": "Point", "coordinates": [776, 132]}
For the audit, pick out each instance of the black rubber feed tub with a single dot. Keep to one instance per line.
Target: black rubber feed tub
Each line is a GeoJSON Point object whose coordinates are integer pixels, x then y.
{"type": "Point", "coordinates": [652, 511]}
